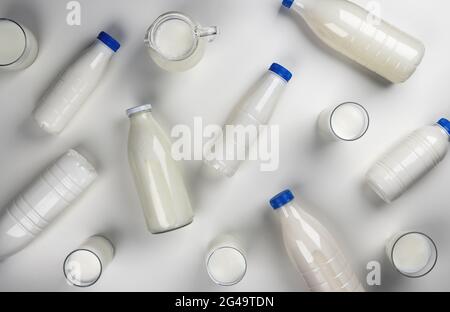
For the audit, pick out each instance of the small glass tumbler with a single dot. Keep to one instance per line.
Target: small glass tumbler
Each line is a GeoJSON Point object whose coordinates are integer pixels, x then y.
{"type": "Point", "coordinates": [413, 254]}
{"type": "Point", "coordinates": [84, 266]}
{"type": "Point", "coordinates": [176, 42]}
{"type": "Point", "coordinates": [348, 121]}
{"type": "Point", "coordinates": [226, 262]}
{"type": "Point", "coordinates": [18, 46]}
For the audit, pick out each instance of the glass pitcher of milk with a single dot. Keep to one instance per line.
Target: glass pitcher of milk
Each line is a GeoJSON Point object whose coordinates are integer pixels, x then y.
{"type": "Point", "coordinates": [18, 46]}
{"type": "Point", "coordinates": [176, 42]}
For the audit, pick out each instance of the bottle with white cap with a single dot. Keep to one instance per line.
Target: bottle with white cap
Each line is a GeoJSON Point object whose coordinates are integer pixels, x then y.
{"type": "Point", "coordinates": [253, 112]}
{"type": "Point", "coordinates": [409, 161]}
{"type": "Point", "coordinates": [157, 176]}
{"type": "Point", "coordinates": [362, 37]}
{"type": "Point", "coordinates": [44, 199]}
{"type": "Point", "coordinates": [63, 100]}
{"type": "Point", "coordinates": [312, 249]}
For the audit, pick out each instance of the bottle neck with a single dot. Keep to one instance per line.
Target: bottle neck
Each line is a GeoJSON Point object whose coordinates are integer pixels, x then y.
{"type": "Point", "coordinates": [300, 6]}
{"type": "Point", "coordinates": [445, 131]}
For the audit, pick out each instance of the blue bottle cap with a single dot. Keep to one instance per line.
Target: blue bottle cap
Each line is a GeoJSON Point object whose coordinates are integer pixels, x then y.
{"type": "Point", "coordinates": [444, 123]}
{"type": "Point", "coordinates": [112, 43]}
{"type": "Point", "coordinates": [281, 199]}
{"type": "Point", "coordinates": [281, 71]}
{"type": "Point", "coordinates": [288, 3]}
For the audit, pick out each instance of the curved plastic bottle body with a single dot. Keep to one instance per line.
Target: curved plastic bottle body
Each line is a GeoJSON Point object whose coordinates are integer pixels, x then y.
{"type": "Point", "coordinates": [363, 37]}
{"type": "Point", "coordinates": [407, 162]}
{"type": "Point", "coordinates": [63, 100]}
{"type": "Point", "coordinates": [243, 127]}
{"type": "Point", "coordinates": [44, 199]}
{"type": "Point", "coordinates": [315, 253]}
{"type": "Point", "coordinates": [157, 176]}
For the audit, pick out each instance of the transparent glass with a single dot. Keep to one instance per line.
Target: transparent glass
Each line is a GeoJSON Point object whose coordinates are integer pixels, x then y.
{"type": "Point", "coordinates": [84, 266]}
{"type": "Point", "coordinates": [348, 121]}
{"type": "Point", "coordinates": [226, 262]}
{"type": "Point", "coordinates": [18, 46]}
{"type": "Point", "coordinates": [413, 254]}
{"type": "Point", "coordinates": [176, 42]}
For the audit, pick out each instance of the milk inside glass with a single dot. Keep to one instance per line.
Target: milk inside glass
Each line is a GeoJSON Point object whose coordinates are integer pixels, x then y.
{"type": "Point", "coordinates": [412, 254]}
{"type": "Point", "coordinates": [226, 262]}
{"type": "Point", "coordinates": [18, 46]}
{"type": "Point", "coordinates": [347, 122]}
{"type": "Point", "coordinates": [84, 266]}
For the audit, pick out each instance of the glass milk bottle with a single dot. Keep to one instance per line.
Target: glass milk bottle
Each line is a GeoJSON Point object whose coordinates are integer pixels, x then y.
{"type": "Point", "coordinates": [63, 100]}
{"type": "Point", "coordinates": [312, 249]}
{"type": "Point", "coordinates": [176, 42]}
{"type": "Point", "coordinates": [158, 178]}
{"type": "Point", "coordinates": [354, 32]}
{"type": "Point", "coordinates": [18, 46]}
{"type": "Point", "coordinates": [43, 200]}
{"type": "Point", "coordinates": [255, 111]}
{"type": "Point", "coordinates": [409, 161]}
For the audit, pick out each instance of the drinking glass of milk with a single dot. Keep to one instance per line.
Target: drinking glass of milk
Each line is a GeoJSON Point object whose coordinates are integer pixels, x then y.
{"type": "Point", "coordinates": [413, 254]}
{"type": "Point", "coordinates": [226, 262]}
{"type": "Point", "coordinates": [176, 42]}
{"type": "Point", "coordinates": [344, 122]}
{"type": "Point", "coordinates": [84, 266]}
{"type": "Point", "coordinates": [18, 46]}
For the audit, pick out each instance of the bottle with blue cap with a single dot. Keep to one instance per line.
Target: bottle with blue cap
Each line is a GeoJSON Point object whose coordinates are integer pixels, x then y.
{"type": "Point", "coordinates": [73, 87]}
{"type": "Point", "coordinates": [361, 36]}
{"type": "Point", "coordinates": [227, 150]}
{"type": "Point", "coordinates": [409, 161]}
{"type": "Point", "coordinates": [312, 249]}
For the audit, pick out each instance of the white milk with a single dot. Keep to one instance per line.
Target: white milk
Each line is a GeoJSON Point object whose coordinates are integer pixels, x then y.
{"type": "Point", "coordinates": [409, 160]}
{"type": "Point", "coordinates": [12, 42]}
{"type": "Point", "coordinates": [226, 266]}
{"type": "Point", "coordinates": [255, 111]}
{"type": "Point", "coordinates": [74, 86]}
{"type": "Point", "coordinates": [176, 42]}
{"type": "Point", "coordinates": [84, 266]}
{"type": "Point", "coordinates": [174, 39]}
{"type": "Point", "coordinates": [357, 34]}
{"type": "Point", "coordinates": [43, 200]}
{"type": "Point", "coordinates": [312, 249]}
{"type": "Point", "coordinates": [412, 253]}
{"type": "Point", "coordinates": [18, 46]}
{"type": "Point", "coordinates": [157, 175]}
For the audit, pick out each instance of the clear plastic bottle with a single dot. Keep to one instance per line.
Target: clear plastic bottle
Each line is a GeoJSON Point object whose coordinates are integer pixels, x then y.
{"type": "Point", "coordinates": [254, 112]}
{"type": "Point", "coordinates": [158, 178]}
{"type": "Point", "coordinates": [409, 161]}
{"type": "Point", "coordinates": [63, 100]}
{"type": "Point", "coordinates": [356, 33]}
{"type": "Point", "coordinates": [312, 249]}
{"type": "Point", "coordinates": [44, 199]}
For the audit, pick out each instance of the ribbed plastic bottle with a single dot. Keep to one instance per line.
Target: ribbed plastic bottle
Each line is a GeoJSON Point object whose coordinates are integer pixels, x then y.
{"type": "Point", "coordinates": [43, 200]}
{"type": "Point", "coordinates": [253, 112]}
{"type": "Point", "coordinates": [364, 38]}
{"type": "Point", "coordinates": [312, 249]}
{"type": "Point", "coordinates": [157, 176]}
{"type": "Point", "coordinates": [63, 100]}
{"type": "Point", "coordinates": [409, 161]}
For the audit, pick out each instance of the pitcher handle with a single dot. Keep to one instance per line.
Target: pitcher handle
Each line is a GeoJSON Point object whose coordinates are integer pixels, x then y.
{"type": "Point", "coordinates": [209, 32]}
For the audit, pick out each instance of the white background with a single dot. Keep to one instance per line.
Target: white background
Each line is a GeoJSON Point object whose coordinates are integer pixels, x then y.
{"type": "Point", "coordinates": [254, 33]}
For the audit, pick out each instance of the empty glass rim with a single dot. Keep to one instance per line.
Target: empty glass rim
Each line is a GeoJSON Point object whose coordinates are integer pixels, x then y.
{"type": "Point", "coordinates": [433, 245]}
{"type": "Point", "coordinates": [99, 273]}
{"type": "Point", "coordinates": [151, 32]}
{"type": "Point", "coordinates": [25, 45]}
{"type": "Point", "coordinates": [219, 282]}
{"type": "Point", "coordinates": [366, 113]}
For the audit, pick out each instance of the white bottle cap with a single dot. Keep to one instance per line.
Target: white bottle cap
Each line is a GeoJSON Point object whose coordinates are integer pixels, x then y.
{"type": "Point", "coordinates": [138, 109]}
